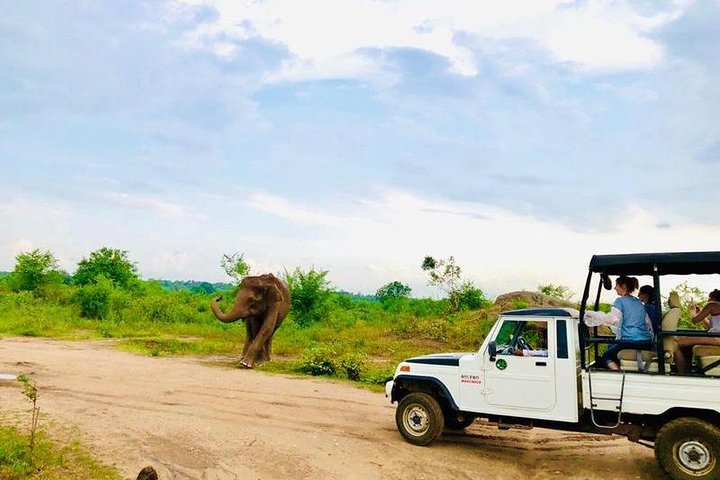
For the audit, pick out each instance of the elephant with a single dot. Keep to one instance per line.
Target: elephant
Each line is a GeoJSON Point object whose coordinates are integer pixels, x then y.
{"type": "Point", "coordinates": [263, 302]}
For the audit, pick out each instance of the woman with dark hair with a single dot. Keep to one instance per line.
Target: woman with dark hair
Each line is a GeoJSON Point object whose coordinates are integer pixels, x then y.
{"type": "Point", "coordinates": [646, 296]}
{"type": "Point", "coordinates": [710, 315]}
{"type": "Point", "coordinates": [632, 320]}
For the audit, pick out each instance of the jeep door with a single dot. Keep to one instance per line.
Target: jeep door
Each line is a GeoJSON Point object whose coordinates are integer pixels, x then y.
{"type": "Point", "coordinates": [522, 375]}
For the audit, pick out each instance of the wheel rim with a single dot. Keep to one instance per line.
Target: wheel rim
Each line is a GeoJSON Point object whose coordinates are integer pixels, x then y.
{"type": "Point", "coordinates": [416, 420]}
{"type": "Point", "coordinates": [695, 458]}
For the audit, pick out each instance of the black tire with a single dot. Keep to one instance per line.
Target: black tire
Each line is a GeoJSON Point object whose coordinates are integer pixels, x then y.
{"type": "Point", "coordinates": [458, 421]}
{"type": "Point", "coordinates": [419, 418]}
{"type": "Point", "coordinates": [689, 449]}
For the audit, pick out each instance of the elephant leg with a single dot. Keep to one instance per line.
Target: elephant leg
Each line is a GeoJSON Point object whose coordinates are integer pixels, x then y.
{"type": "Point", "coordinates": [259, 348]}
{"type": "Point", "coordinates": [250, 335]}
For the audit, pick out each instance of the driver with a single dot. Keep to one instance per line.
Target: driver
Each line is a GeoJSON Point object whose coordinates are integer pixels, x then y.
{"type": "Point", "coordinates": [541, 329]}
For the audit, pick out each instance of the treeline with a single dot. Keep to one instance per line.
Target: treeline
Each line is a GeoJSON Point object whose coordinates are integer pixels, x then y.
{"type": "Point", "coordinates": [106, 285]}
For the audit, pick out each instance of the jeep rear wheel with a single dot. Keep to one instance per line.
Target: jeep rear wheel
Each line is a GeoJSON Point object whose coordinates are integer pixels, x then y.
{"type": "Point", "coordinates": [419, 418]}
{"type": "Point", "coordinates": [689, 449]}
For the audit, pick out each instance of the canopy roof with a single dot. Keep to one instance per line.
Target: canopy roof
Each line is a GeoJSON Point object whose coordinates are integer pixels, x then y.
{"type": "Point", "coordinates": [677, 263]}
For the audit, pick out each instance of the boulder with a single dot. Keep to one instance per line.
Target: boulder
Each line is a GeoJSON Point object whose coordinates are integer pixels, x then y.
{"type": "Point", "coordinates": [523, 299]}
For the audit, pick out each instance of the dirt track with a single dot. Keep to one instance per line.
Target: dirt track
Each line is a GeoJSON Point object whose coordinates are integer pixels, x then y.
{"type": "Point", "coordinates": [193, 419]}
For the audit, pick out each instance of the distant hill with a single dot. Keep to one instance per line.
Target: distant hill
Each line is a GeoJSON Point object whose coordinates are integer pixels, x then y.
{"type": "Point", "coordinates": [193, 286]}
{"type": "Point", "coordinates": [4, 274]}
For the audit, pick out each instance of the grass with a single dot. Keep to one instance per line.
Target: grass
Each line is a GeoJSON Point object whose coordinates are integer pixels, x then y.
{"type": "Point", "coordinates": [49, 460]}
{"type": "Point", "coordinates": [170, 324]}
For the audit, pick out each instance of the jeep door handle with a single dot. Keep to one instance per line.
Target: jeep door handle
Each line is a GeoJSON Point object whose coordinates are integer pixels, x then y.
{"type": "Point", "coordinates": [541, 364]}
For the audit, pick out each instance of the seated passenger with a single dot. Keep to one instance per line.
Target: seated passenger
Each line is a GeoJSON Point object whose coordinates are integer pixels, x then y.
{"type": "Point", "coordinates": [646, 296]}
{"type": "Point", "coordinates": [683, 345]}
{"type": "Point", "coordinates": [629, 318]}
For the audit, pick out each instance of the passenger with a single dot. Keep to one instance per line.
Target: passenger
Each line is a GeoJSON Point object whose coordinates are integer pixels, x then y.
{"type": "Point", "coordinates": [683, 345]}
{"type": "Point", "coordinates": [632, 320]}
{"type": "Point", "coordinates": [646, 296]}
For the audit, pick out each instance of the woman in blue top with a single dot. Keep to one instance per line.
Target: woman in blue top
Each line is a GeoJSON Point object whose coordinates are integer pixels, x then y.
{"type": "Point", "coordinates": [633, 326]}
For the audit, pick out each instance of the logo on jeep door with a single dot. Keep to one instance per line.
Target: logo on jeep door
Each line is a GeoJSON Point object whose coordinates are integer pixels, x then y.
{"type": "Point", "coordinates": [470, 379]}
{"type": "Point", "coordinates": [501, 364]}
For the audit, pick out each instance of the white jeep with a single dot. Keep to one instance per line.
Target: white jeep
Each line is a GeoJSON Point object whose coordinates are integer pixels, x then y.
{"type": "Point", "coordinates": [537, 367]}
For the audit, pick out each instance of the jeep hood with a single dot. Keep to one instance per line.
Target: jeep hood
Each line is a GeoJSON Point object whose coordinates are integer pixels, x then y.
{"type": "Point", "coordinates": [450, 359]}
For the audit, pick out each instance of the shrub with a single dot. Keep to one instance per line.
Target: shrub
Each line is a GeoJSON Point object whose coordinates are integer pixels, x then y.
{"type": "Point", "coordinates": [318, 361]}
{"type": "Point", "coordinates": [392, 291]}
{"type": "Point", "coordinates": [470, 297]}
{"type": "Point", "coordinates": [352, 364]}
{"type": "Point", "coordinates": [310, 295]}
{"type": "Point", "coordinates": [94, 298]}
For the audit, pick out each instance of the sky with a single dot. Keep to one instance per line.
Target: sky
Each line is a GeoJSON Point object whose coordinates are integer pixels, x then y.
{"type": "Point", "coordinates": [358, 136]}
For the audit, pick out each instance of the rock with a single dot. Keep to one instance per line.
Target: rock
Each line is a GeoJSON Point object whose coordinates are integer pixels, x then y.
{"type": "Point", "coordinates": [525, 299]}
{"type": "Point", "coordinates": [147, 473]}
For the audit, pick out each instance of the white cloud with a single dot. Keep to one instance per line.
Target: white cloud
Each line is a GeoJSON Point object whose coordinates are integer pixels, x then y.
{"type": "Point", "coordinates": [22, 208]}
{"type": "Point", "coordinates": [325, 37]}
{"type": "Point", "coordinates": [384, 238]}
{"type": "Point", "coordinates": [161, 207]}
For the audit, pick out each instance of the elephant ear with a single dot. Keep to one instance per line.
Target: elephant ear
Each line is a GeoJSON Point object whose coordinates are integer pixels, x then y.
{"type": "Point", "coordinates": [274, 295]}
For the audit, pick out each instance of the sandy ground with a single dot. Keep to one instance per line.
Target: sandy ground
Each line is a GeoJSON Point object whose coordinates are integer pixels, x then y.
{"type": "Point", "coordinates": [195, 418]}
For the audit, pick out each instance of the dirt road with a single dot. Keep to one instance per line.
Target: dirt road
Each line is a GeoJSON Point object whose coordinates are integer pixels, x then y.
{"type": "Point", "coordinates": [193, 419]}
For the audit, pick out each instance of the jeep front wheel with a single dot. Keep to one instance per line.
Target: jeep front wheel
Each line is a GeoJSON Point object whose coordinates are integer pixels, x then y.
{"type": "Point", "coordinates": [689, 449]}
{"type": "Point", "coordinates": [419, 418]}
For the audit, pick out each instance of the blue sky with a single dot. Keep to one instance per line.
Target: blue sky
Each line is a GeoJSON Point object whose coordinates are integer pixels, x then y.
{"type": "Point", "coordinates": [358, 136]}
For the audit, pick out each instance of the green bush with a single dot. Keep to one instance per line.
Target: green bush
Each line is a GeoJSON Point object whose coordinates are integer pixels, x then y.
{"type": "Point", "coordinates": [469, 297]}
{"type": "Point", "coordinates": [94, 298]}
{"type": "Point", "coordinates": [392, 292]}
{"type": "Point", "coordinates": [310, 295]}
{"type": "Point", "coordinates": [318, 361]}
{"type": "Point", "coordinates": [352, 364]}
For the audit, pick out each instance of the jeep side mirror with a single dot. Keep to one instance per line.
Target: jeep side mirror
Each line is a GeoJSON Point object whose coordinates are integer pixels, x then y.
{"type": "Point", "coordinates": [607, 283]}
{"type": "Point", "coordinates": [492, 349]}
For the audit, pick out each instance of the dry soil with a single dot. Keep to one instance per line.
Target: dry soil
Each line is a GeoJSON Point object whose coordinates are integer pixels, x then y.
{"type": "Point", "coordinates": [200, 418]}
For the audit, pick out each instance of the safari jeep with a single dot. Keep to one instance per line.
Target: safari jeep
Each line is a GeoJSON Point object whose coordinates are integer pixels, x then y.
{"type": "Point", "coordinates": [537, 367]}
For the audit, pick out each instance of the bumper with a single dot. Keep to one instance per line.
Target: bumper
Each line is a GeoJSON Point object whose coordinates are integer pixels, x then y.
{"type": "Point", "coordinates": [388, 389]}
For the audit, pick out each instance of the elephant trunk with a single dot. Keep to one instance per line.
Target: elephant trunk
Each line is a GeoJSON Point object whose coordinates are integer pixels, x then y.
{"type": "Point", "coordinates": [231, 316]}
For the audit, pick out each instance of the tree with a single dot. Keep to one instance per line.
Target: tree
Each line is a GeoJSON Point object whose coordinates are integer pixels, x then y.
{"type": "Point", "coordinates": [235, 266]}
{"type": "Point", "coordinates": [34, 270]}
{"type": "Point", "coordinates": [444, 274]}
{"type": "Point", "coordinates": [392, 291]}
{"type": "Point", "coordinates": [556, 291]}
{"type": "Point", "coordinates": [111, 263]}
{"type": "Point", "coordinates": [310, 294]}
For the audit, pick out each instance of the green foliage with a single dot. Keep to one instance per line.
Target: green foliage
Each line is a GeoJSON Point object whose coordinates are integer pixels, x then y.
{"type": "Point", "coordinates": [310, 295]}
{"type": "Point", "coordinates": [34, 270]}
{"type": "Point", "coordinates": [31, 393]}
{"type": "Point", "coordinates": [469, 297]}
{"type": "Point", "coordinates": [113, 264]}
{"type": "Point", "coordinates": [519, 304]}
{"type": "Point", "coordinates": [16, 459]}
{"type": "Point", "coordinates": [392, 292]}
{"type": "Point", "coordinates": [444, 274]}
{"type": "Point", "coordinates": [94, 298]}
{"type": "Point", "coordinates": [688, 296]}
{"type": "Point", "coordinates": [556, 291]}
{"type": "Point", "coordinates": [235, 266]}
{"type": "Point", "coordinates": [318, 361]}
{"type": "Point", "coordinates": [48, 461]}
{"type": "Point", "coordinates": [192, 286]}
{"type": "Point", "coordinates": [352, 365]}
